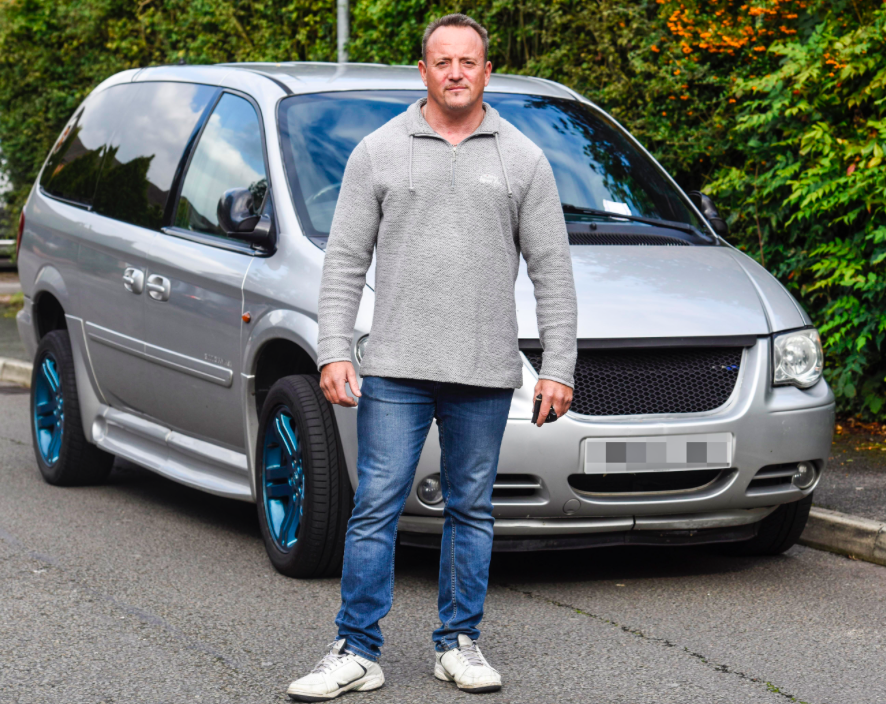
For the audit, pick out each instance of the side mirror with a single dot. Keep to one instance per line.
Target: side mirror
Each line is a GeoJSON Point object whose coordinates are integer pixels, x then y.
{"type": "Point", "coordinates": [706, 205]}
{"type": "Point", "coordinates": [237, 217]}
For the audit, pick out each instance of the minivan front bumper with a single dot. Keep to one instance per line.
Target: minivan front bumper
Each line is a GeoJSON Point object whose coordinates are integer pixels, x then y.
{"type": "Point", "coordinates": [770, 426]}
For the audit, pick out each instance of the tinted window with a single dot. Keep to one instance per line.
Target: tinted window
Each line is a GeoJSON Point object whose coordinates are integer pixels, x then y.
{"type": "Point", "coordinates": [228, 155]}
{"type": "Point", "coordinates": [595, 164]}
{"type": "Point", "coordinates": [73, 166]}
{"type": "Point", "coordinates": [146, 148]}
{"type": "Point", "coordinates": [318, 133]}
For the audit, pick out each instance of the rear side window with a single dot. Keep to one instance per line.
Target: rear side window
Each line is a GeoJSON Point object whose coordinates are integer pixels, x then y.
{"type": "Point", "coordinates": [145, 149]}
{"type": "Point", "coordinates": [74, 164]}
{"type": "Point", "coordinates": [228, 155]}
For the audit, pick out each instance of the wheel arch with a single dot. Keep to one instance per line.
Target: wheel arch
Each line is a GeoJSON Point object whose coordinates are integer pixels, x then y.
{"type": "Point", "coordinates": [280, 343]}
{"type": "Point", "coordinates": [50, 298]}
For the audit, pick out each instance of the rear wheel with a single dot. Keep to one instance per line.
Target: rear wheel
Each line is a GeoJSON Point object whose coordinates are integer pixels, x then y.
{"type": "Point", "coordinates": [64, 456]}
{"type": "Point", "coordinates": [778, 532]}
{"type": "Point", "coordinates": [302, 489]}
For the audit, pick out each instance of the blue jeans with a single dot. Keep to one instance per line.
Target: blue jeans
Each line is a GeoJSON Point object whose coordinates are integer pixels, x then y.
{"type": "Point", "coordinates": [393, 420]}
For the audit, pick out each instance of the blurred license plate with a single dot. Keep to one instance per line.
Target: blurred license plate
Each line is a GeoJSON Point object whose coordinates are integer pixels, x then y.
{"type": "Point", "coordinates": [657, 454]}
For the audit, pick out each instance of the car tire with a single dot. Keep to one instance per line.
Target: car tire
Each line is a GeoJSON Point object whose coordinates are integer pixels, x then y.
{"type": "Point", "coordinates": [303, 493]}
{"type": "Point", "coordinates": [64, 456]}
{"type": "Point", "coordinates": [778, 532]}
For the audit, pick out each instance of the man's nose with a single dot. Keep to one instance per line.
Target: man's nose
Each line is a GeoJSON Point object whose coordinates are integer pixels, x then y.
{"type": "Point", "coordinates": [455, 72]}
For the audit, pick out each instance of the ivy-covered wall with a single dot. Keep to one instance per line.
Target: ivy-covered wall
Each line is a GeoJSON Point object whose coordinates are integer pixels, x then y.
{"type": "Point", "coordinates": [776, 107]}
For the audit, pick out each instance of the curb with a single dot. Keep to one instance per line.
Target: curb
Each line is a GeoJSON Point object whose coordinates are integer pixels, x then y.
{"type": "Point", "coordinates": [15, 371]}
{"type": "Point", "coordinates": [858, 538]}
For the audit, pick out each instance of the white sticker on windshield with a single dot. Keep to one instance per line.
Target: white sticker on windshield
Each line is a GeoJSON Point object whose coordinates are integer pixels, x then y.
{"type": "Point", "coordinates": [611, 206]}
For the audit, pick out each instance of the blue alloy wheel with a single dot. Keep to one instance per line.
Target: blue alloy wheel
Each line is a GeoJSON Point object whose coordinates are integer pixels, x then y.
{"type": "Point", "coordinates": [49, 410]}
{"type": "Point", "coordinates": [283, 479]}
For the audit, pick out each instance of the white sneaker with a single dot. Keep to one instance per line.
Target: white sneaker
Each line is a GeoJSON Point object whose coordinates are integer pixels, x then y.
{"type": "Point", "coordinates": [467, 667]}
{"type": "Point", "coordinates": [338, 672]}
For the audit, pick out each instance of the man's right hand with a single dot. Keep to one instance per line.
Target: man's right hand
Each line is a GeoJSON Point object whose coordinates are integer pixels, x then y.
{"type": "Point", "coordinates": [334, 378]}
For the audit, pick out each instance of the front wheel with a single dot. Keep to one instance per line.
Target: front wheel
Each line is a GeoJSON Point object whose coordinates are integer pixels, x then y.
{"type": "Point", "coordinates": [778, 532]}
{"type": "Point", "coordinates": [302, 489]}
{"type": "Point", "coordinates": [64, 456]}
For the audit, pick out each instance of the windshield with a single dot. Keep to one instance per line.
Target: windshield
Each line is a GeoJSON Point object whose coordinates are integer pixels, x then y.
{"type": "Point", "coordinates": [595, 164]}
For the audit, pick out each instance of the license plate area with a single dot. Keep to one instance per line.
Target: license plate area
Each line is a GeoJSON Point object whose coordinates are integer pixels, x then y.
{"type": "Point", "coordinates": [662, 453]}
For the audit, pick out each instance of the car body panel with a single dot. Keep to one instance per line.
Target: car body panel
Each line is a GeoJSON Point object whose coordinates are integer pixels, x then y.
{"type": "Point", "coordinates": [637, 292]}
{"type": "Point", "coordinates": [193, 340]}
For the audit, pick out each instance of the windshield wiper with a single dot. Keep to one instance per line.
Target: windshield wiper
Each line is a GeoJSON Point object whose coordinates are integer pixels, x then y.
{"type": "Point", "coordinates": [670, 224]}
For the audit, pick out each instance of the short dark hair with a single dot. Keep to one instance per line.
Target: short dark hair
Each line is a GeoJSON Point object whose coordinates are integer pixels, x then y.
{"type": "Point", "coordinates": [455, 20]}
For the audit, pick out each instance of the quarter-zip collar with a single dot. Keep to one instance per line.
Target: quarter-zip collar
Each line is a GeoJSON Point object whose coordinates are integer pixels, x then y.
{"type": "Point", "coordinates": [417, 126]}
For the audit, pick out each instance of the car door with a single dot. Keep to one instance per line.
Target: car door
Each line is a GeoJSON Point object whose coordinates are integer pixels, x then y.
{"type": "Point", "coordinates": [194, 284]}
{"type": "Point", "coordinates": [152, 125]}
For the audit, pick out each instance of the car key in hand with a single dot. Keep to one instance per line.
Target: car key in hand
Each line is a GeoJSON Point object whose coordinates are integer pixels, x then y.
{"type": "Point", "coordinates": [552, 414]}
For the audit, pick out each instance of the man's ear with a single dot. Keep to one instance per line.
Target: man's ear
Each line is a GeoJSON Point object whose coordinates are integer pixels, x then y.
{"type": "Point", "coordinates": [423, 70]}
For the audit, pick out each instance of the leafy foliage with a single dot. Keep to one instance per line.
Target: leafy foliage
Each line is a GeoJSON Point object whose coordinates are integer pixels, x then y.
{"type": "Point", "coordinates": [808, 196]}
{"type": "Point", "coordinates": [774, 106]}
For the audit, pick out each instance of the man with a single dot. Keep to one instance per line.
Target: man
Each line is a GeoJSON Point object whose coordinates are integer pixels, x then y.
{"type": "Point", "coordinates": [449, 194]}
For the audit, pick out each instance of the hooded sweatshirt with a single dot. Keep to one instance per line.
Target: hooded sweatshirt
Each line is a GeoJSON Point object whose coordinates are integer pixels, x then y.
{"type": "Point", "coordinates": [448, 224]}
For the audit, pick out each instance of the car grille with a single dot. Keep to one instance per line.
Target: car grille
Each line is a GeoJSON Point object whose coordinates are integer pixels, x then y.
{"type": "Point", "coordinates": [644, 482]}
{"type": "Point", "coordinates": [611, 238]}
{"type": "Point", "coordinates": [515, 486]}
{"type": "Point", "coordinates": [651, 380]}
{"type": "Point", "coordinates": [772, 478]}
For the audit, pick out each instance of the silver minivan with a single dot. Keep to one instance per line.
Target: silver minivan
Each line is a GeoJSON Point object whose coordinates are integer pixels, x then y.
{"type": "Point", "coordinates": [171, 252]}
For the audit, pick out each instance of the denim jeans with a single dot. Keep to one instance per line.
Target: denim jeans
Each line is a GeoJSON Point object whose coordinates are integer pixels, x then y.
{"type": "Point", "coordinates": [393, 419]}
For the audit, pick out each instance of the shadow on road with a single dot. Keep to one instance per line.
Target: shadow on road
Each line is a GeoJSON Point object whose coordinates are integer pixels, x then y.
{"type": "Point", "coordinates": [148, 487]}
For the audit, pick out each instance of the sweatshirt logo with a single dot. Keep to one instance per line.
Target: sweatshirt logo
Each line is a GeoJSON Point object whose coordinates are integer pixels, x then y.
{"type": "Point", "coordinates": [489, 179]}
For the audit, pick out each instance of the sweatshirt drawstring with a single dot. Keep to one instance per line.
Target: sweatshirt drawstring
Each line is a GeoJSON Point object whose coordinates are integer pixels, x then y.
{"type": "Point", "coordinates": [411, 140]}
{"type": "Point", "coordinates": [503, 169]}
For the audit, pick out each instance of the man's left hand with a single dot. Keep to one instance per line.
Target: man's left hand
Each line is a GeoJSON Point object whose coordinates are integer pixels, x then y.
{"type": "Point", "coordinates": [555, 394]}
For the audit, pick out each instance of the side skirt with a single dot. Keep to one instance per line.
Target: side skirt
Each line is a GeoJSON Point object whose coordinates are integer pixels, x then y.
{"type": "Point", "coordinates": [195, 463]}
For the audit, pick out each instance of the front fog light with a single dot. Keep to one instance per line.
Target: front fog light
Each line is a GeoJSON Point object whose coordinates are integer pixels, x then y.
{"type": "Point", "coordinates": [429, 490]}
{"type": "Point", "coordinates": [797, 358]}
{"type": "Point", "coordinates": [804, 477]}
{"type": "Point", "coordinates": [361, 348]}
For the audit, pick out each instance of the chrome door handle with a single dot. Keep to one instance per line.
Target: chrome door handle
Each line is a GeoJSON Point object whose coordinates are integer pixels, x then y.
{"type": "Point", "coordinates": [133, 279]}
{"type": "Point", "coordinates": [158, 287]}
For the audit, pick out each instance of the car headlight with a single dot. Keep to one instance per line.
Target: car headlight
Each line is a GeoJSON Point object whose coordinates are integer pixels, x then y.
{"type": "Point", "coordinates": [361, 347]}
{"type": "Point", "coordinates": [797, 358]}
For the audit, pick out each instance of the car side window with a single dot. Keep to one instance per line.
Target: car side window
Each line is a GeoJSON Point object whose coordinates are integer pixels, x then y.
{"type": "Point", "coordinates": [73, 167]}
{"type": "Point", "coordinates": [146, 148]}
{"type": "Point", "coordinates": [228, 155]}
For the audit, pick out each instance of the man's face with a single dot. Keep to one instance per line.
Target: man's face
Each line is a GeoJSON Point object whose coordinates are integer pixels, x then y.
{"type": "Point", "coordinates": [455, 73]}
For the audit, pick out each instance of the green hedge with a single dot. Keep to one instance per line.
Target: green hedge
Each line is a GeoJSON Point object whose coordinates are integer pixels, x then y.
{"type": "Point", "coordinates": [776, 107]}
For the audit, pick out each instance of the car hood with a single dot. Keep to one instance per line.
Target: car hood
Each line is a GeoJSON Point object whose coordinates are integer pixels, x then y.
{"type": "Point", "coordinates": [643, 292]}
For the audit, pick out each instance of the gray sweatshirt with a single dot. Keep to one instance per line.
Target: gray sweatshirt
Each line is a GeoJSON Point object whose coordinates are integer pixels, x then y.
{"type": "Point", "coordinates": [448, 224]}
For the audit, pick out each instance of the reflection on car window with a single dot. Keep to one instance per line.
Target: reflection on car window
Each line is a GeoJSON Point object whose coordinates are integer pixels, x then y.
{"type": "Point", "coordinates": [228, 155]}
{"type": "Point", "coordinates": [595, 164]}
{"type": "Point", "coordinates": [146, 148]}
{"type": "Point", "coordinates": [73, 166]}
{"type": "Point", "coordinates": [318, 133]}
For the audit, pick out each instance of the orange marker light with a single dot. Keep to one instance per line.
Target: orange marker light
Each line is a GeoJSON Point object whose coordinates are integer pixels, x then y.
{"type": "Point", "coordinates": [246, 317]}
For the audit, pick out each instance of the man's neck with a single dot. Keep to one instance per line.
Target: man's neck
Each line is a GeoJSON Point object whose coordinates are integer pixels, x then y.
{"type": "Point", "coordinates": [453, 126]}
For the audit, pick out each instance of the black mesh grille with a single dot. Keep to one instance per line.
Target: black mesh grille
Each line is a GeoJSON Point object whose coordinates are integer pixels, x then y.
{"type": "Point", "coordinates": [612, 238]}
{"type": "Point", "coordinates": [652, 380]}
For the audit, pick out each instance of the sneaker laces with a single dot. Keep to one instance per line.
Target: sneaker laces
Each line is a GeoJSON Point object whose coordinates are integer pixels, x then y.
{"type": "Point", "coordinates": [471, 654]}
{"type": "Point", "coordinates": [330, 660]}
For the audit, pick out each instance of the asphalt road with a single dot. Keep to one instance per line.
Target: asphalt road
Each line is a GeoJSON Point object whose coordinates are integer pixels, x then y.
{"type": "Point", "coordinates": [146, 591]}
